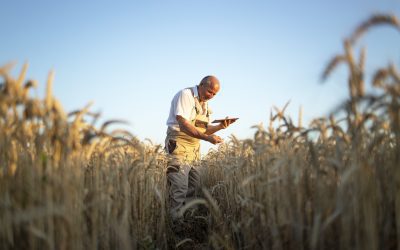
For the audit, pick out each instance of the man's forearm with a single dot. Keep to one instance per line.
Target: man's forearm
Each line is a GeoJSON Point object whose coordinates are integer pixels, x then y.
{"type": "Point", "coordinates": [190, 130]}
{"type": "Point", "coordinates": [212, 129]}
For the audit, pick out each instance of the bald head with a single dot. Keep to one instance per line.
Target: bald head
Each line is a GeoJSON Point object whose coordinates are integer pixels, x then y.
{"type": "Point", "coordinates": [210, 81]}
{"type": "Point", "coordinates": [208, 88]}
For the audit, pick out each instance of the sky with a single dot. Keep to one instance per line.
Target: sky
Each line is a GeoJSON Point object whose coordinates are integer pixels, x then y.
{"type": "Point", "coordinates": [130, 57]}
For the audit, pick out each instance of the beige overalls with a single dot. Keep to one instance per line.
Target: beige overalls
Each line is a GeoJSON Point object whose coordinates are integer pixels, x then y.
{"type": "Point", "coordinates": [183, 155]}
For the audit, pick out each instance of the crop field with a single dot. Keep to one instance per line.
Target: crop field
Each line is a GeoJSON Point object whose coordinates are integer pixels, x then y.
{"type": "Point", "coordinates": [67, 182]}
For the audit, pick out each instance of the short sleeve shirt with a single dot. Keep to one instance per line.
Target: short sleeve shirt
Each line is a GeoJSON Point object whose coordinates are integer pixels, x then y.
{"type": "Point", "coordinates": [183, 104]}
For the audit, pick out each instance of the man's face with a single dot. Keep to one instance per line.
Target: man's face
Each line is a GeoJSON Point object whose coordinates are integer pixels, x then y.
{"type": "Point", "coordinates": [207, 92]}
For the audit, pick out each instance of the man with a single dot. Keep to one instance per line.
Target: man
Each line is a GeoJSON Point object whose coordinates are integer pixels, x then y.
{"type": "Point", "coordinates": [187, 125]}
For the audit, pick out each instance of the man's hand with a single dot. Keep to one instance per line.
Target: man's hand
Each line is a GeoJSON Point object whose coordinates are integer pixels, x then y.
{"type": "Point", "coordinates": [211, 129]}
{"type": "Point", "coordinates": [226, 123]}
{"type": "Point", "coordinates": [214, 139]}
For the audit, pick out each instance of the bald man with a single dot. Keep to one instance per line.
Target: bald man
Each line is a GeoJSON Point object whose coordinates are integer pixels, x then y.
{"type": "Point", "coordinates": [188, 123]}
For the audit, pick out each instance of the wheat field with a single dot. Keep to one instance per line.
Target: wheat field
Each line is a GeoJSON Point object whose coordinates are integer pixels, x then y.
{"type": "Point", "coordinates": [68, 183]}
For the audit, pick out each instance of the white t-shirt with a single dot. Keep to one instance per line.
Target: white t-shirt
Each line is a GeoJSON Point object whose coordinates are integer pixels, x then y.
{"type": "Point", "coordinates": [183, 104]}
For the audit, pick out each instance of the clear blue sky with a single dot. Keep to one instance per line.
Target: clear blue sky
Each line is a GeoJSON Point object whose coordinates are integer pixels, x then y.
{"type": "Point", "coordinates": [131, 57]}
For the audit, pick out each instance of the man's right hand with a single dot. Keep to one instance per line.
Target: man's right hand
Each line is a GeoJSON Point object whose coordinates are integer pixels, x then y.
{"type": "Point", "coordinates": [214, 139]}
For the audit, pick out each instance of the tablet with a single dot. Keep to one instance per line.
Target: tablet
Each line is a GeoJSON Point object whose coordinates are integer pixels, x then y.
{"type": "Point", "coordinates": [222, 120]}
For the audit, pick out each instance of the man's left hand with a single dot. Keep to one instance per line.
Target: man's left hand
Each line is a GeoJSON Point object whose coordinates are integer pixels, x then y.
{"type": "Point", "coordinates": [226, 123]}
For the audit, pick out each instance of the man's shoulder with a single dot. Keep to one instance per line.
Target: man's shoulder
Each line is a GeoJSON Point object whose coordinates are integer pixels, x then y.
{"type": "Point", "coordinates": [186, 93]}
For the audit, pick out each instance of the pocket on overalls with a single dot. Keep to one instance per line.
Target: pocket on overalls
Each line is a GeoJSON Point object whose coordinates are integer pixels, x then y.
{"type": "Point", "coordinates": [173, 158]}
{"type": "Point", "coordinates": [171, 146]}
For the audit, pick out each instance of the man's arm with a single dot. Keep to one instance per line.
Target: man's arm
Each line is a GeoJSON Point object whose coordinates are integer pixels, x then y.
{"type": "Point", "coordinates": [190, 130]}
{"type": "Point", "coordinates": [223, 125]}
{"type": "Point", "coordinates": [211, 129]}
